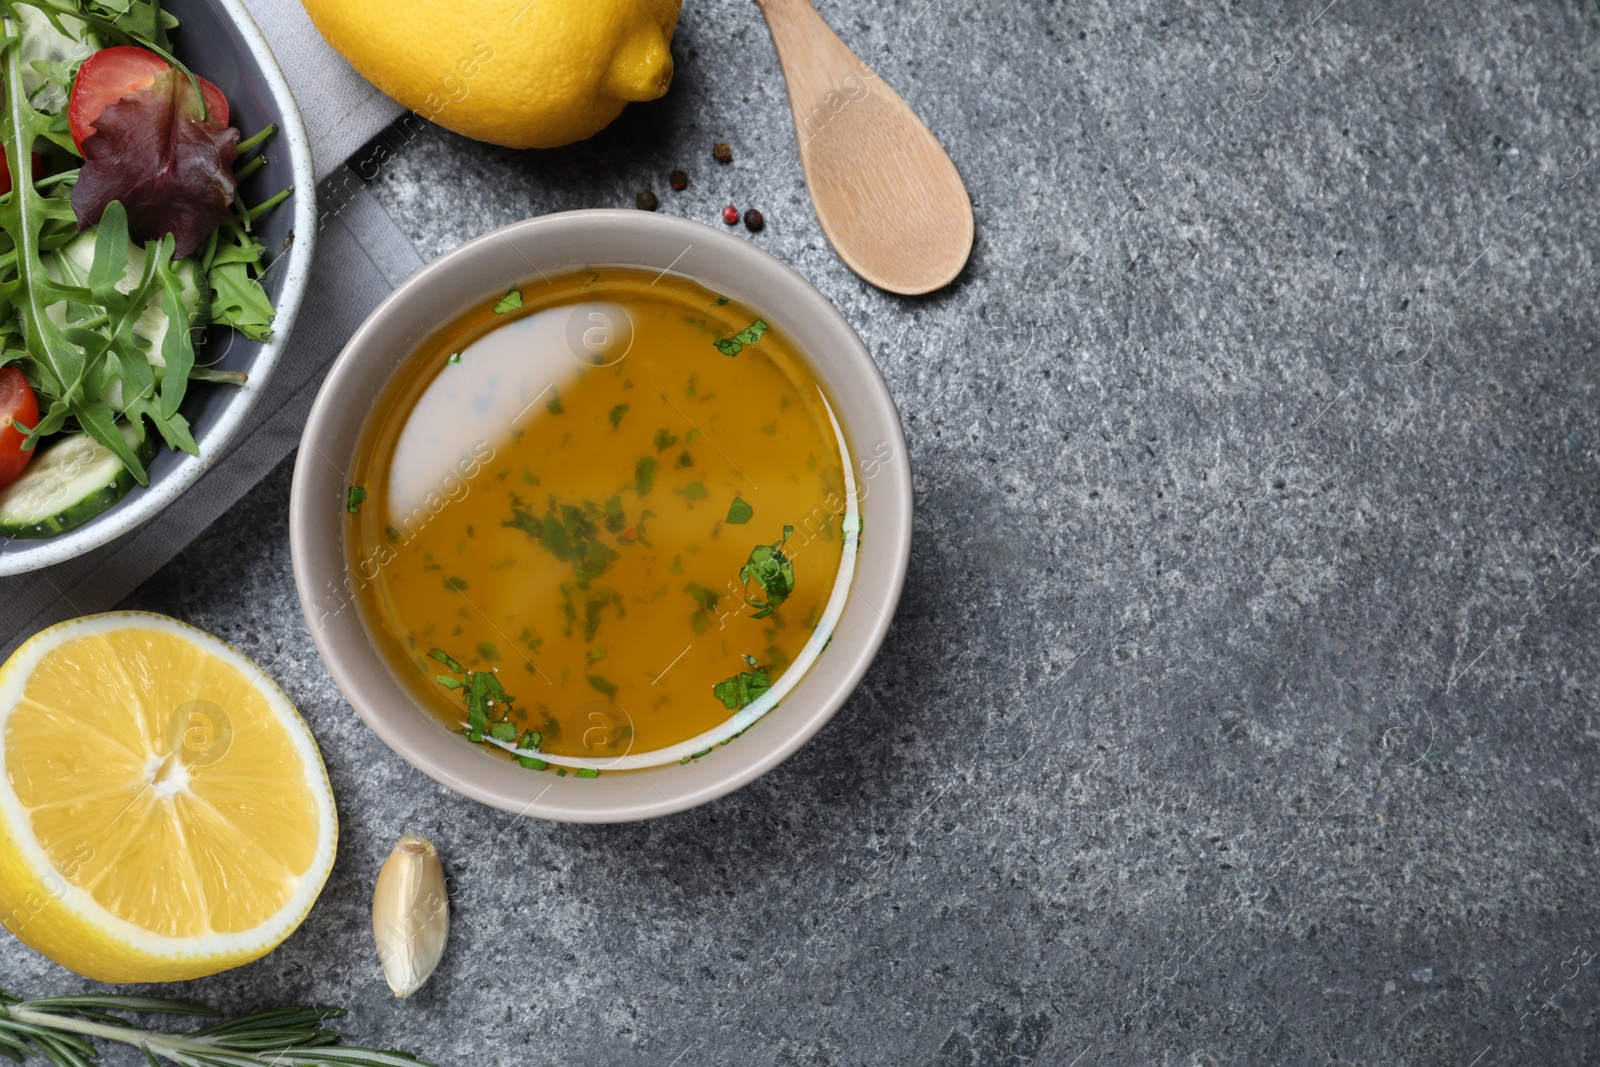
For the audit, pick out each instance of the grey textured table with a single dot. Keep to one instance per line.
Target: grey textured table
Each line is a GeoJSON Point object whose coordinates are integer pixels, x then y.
{"type": "Point", "coordinates": [1242, 706]}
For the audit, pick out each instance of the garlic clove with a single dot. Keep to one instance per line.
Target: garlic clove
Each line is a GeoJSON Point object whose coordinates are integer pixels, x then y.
{"type": "Point", "coordinates": [410, 914]}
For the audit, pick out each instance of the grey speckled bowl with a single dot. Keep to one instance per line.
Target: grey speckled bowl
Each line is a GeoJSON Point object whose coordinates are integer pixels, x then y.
{"type": "Point", "coordinates": [483, 270]}
{"type": "Point", "coordinates": [218, 39]}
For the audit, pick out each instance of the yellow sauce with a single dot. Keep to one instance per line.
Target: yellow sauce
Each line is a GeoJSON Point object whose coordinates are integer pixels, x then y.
{"type": "Point", "coordinates": [553, 493]}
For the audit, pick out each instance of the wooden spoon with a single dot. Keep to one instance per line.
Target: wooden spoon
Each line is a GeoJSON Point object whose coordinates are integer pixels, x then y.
{"type": "Point", "coordinates": [885, 191]}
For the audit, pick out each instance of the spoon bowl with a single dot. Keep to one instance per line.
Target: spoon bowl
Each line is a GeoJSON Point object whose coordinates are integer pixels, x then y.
{"type": "Point", "coordinates": [889, 199]}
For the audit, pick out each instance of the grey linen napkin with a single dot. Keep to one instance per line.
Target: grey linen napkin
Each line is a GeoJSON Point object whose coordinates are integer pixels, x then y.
{"type": "Point", "coordinates": [361, 255]}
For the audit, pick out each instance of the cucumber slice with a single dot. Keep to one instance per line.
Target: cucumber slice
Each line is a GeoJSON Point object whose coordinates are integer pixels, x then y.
{"type": "Point", "coordinates": [61, 54]}
{"type": "Point", "coordinates": [71, 265]}
{"type": "Point", "coordinates": [69, 483]}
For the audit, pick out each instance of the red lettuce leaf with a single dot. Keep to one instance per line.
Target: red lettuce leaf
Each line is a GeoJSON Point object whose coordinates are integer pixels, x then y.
{"type": "Point", "coordinates": [172, 169]}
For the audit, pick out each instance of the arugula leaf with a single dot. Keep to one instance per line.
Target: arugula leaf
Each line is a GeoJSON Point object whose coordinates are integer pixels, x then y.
{"type": "Point", "coordinates": [170, 164]}
{"type": "Point", "coordinates": [772, 570]}
{"type": "Point", "coordinates": [237, 298]}
{"type": "Point", "coordinates": [509, 303]}
{"type": "Point", "coordinates": [177, 345]}
{"type": "Point", "coordinates": [732, 346]}
{"type": "Point", "coordinates": [739, 512]}
{"type": "Point", "coordinates": [60, 367]}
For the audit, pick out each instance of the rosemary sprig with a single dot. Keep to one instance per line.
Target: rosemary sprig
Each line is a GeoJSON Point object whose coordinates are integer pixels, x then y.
{"type": "Point", "coordinates": [58, 1028]}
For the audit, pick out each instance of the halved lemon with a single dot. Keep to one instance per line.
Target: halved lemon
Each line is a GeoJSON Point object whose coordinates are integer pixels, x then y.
{"type": "Point", "coordinates": [164, 811]}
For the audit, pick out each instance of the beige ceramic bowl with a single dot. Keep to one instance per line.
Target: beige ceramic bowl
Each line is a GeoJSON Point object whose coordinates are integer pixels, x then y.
{"type": "Point", "coordinates": [484, 269]}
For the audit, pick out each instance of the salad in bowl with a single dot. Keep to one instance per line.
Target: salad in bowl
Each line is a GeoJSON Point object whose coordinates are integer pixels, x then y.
{"type": "Point", "coordinates": [129, 246]}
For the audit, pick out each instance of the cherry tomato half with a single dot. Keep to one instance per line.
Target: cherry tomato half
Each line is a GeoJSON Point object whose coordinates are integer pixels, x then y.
{"type": "Point", "coordinates": [16, 402]}
{"type": "Point", "coordinates": [111, 74]}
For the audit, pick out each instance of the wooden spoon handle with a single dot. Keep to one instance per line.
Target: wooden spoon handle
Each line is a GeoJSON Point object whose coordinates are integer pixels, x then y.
{"type": "Point", "coordinates": [886, 194]}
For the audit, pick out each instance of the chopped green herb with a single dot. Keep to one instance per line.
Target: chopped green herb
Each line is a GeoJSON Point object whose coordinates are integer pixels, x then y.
{"type": "Point", "coordinates": [354, 499]}
{"type": "Point", "coordinates": [393, 534]}
{"type": "Point", "coordinates": [528, 478]}
{"type": "Point", "coordinates": [601, 686]}
{"type": "Point", "coordinates": [533, 763]}
{"type": "Point", "coordinates": [570, 534]}
{"type": "Point", "coordinates": [444, 657]}
{"type": "Point", "coordinates": [488, 652]}
{"type": "Point", "coordinates": [772, 570]}
{"type": "Point", "coordinates": [615, 520]}
{"type": "Point", "coordinates": [488, 704]}
{"type": "Point", "coordinates": [596, 655]}
{"type": "Point", "coordinates": [638, 527]}
{"type": "Point", "coordinates": [586, 772]}
{"type": "Point", "coordinates": [706, 599]}
{"type": "Point", "coordinates": [719, 301]}
{"type": "Point", "coordinates": [644, 475]}
{"type": "Point", "coordinates": [665, 440]}
{"type": "Point", "coordinates": [693, 491]}
{"type": "Point", "coordinates": [455, 585]}
{"type": "Point", "coordinates": [732, 346]}
{"type": "Point", "coordinates": [598, 600]}
{"type": "Point", "coordinates": [744, 688]}
{"type": "Point", "coordinates": [739, 512]}
{"type": "Point", "coordinates": [684, 460]}
{"type": "Point", "coordinates": [616, 415]}
{"type": "Point", "coordinates": [454, 357]}
{"type": "Point", "coordinates": [553, 406]}
{"type": "Point", "coordinates": [510, 302]}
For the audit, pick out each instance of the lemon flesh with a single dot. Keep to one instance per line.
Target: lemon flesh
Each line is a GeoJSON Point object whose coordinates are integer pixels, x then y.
{"type": "Point", "coordinates": [510, 72]}
{"type": "Point", "coordinates": [164, 811]}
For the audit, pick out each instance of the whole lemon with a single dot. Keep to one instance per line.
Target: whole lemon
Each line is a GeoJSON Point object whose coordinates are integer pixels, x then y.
{"type": "Point", "coordinates": [520, 73]}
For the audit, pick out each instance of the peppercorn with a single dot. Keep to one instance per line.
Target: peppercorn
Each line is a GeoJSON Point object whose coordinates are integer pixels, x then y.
{"type": "Point", "coordinates": [730, 215]}
{"type": "Point", "coordinates": [722, 152]}
{"type": "Point", "coordinates": [679, 180]}
{"type": "Point", "coordinates": [647, 201]}
{"type": "Point", "coordinates": [753, 221]}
